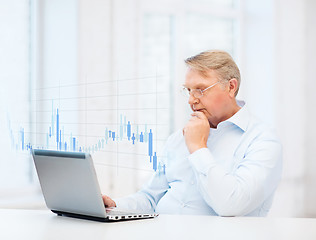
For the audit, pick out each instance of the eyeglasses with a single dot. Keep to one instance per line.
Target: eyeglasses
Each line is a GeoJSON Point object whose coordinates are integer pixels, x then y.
{"type": "Point", "coordinates": [197, 93]}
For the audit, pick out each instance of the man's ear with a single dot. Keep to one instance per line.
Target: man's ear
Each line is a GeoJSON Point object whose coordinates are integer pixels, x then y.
{"type": "Point", "coordinates": [233, 85]}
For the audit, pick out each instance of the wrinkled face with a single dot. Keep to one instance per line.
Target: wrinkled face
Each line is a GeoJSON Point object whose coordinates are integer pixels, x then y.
{"type": "Point", "coordinates": [216, 102]}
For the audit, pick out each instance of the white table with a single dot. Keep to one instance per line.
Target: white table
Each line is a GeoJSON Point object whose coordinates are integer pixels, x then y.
{"type": "Point", "coordinates": [42, 224]}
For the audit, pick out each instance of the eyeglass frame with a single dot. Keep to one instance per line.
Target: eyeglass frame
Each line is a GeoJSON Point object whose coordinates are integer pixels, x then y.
{"type": "Point", "coordinates": [188, 93]}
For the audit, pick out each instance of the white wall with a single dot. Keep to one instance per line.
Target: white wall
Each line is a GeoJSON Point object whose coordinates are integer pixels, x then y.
{"type": "Point", "coordinates": [258, 73]}
{"type": "Point", "coordinates": [309, 124]}
{"type": "Point", "coordinates": [295, 50]}
{"type": "Point", "coordinates": [290, 61]}
{"type": "Point", "coordinates": [278, 81]}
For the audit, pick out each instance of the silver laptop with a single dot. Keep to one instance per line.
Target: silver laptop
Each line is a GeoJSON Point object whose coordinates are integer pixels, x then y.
{"type": "Point", "coordinates": [70, 187]}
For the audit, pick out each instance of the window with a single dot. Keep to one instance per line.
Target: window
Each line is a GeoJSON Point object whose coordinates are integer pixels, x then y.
{"type": "Point", "coordinates": [15, 104]}
{"type": "Point", "coordinates": [175, 30]}
{"type": "Point", "coordinates": [102, 64]}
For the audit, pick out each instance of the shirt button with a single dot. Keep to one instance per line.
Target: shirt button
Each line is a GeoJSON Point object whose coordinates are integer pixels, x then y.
{"type": "Point", "coordinates": [192, 183]}
{"type": "Point", "coordinates": [183, 205]}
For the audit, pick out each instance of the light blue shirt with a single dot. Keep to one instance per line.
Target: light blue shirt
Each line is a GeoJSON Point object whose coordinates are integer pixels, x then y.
{"type": "Point", "coordinates": [236, 175]}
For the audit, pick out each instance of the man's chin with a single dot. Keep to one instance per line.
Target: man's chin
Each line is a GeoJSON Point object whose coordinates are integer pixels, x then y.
{"type": "Point", "coordinates": [210, 122]}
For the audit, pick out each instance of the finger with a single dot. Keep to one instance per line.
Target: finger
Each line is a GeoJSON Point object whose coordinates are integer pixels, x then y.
{"type": "Point", "coordinates": [193, 118]}
{"type": "Point", "coordinates": [106, 200]}
{"type": "Point", "coordinates": [199, 115]}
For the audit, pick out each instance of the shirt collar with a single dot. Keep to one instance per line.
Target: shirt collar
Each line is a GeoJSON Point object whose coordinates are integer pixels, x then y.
{"type": "Point", "coordinates": [240, 118]}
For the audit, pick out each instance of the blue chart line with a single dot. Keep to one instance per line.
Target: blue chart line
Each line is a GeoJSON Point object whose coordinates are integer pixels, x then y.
{"type": "Point", "coordinates": [55, 134]}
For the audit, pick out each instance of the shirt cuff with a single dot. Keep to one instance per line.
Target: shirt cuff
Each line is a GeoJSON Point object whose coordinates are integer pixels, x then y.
{"type": "Point", "coordinates": [202, 160]}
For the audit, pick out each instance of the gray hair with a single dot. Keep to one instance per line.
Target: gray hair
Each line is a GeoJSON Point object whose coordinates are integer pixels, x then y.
{"type": "Point", "coordinates": [219, 61]}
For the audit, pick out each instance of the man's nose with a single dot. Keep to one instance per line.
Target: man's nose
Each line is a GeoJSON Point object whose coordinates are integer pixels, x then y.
{"type": "Point", "coordinates": [192, 99]}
